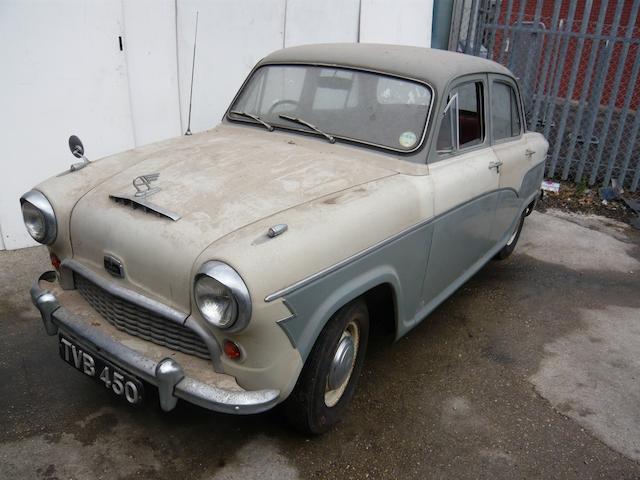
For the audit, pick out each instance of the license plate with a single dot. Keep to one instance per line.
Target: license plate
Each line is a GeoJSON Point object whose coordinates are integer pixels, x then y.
{"type": "Point", "coordinates": [118, 381]}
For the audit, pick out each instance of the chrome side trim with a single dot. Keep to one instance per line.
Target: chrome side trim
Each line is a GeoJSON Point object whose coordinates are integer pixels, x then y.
{"type": "Point", "coordinates": [145, 205]}
{"type": "Point", "coordinates": [332, 268]}
{"type": "Point", "coordinates": [126, 294]}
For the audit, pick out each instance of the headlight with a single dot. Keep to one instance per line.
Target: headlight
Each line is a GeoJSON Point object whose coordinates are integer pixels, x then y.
{"type": "Point", "coordinates": [222, 297]}
{"type": "Point", "coordinates": [39, 217]}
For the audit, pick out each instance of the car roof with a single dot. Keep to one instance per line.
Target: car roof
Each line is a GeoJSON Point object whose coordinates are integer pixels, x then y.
{"type": "Point", "coordinates": [433, 66]}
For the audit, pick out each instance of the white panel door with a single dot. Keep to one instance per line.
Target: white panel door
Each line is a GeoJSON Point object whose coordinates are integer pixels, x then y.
{"type": "Point", "coordinates": [328, 21]}
{"type": "Point", "coordinates": [400, 22]}
{"type": "Point", "coordinates": [232, 37]}
{"type": "Point", "coordinates": [63, 73]}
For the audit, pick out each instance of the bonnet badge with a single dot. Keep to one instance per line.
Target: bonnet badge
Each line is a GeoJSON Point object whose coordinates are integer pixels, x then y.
{"type": "Point", "coordinates": [143, 185]}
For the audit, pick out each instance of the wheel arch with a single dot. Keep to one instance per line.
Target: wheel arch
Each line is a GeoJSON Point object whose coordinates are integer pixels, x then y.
{"type": "Point", "coordinates": [312, 308]}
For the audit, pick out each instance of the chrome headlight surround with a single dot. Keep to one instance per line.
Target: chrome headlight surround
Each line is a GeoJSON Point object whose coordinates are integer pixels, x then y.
{"type": "Point", "coordinates": [228, 279]}
{"type": "Point", "coordinates": [34, 202]}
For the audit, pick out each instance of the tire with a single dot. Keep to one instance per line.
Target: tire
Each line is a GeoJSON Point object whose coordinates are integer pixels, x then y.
{"type": "Point", "coordinates": [314, 407]}
{"type": "Point", "coordinates": [508, 249]}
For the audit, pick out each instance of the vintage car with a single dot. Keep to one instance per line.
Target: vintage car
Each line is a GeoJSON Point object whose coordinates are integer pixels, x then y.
{"type": "Point", "coordinates": [241, 267]}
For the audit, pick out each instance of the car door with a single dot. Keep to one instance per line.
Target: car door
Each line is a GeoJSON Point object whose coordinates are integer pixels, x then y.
{"type": "Point", "coordinates": [462, 168]}
{"type": "Point", "coordinates": [511, 149]}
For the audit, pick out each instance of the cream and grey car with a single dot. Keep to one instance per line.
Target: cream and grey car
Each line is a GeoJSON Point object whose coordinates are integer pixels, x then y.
{"type": "Point", "coordinates": [241, 267]}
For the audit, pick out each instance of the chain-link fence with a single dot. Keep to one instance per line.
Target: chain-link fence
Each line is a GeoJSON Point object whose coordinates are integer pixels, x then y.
{"type": "Point", "coordinates": [577, 63]}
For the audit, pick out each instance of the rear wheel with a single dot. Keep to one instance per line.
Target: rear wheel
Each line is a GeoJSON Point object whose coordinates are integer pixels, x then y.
{"type": "Point", "coordinates": [513, 240]}
{"type": "Point", "coordinates": [328, 380]}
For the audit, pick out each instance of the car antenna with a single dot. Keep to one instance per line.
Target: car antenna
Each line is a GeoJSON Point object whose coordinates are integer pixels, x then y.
{"type": "Point", "coordinates": [193, 66]}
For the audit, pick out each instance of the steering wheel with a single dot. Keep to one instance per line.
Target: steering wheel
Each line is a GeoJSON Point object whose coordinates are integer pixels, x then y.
{"type": "Point", "coordinates": [279, 103]}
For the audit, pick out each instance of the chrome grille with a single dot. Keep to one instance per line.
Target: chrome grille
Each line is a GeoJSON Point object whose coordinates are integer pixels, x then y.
{"type": "Point", "coordinates": [139, 321]}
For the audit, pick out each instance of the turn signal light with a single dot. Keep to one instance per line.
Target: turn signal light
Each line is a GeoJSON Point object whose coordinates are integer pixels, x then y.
{"type": "Point", "coordinates": [55, 261]}
{"type": "Point", "coordinates": [231, 350]}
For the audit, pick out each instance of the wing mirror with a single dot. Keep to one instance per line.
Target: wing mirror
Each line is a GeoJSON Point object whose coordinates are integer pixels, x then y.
{"type": "Point", "coordinates": [77, 149]}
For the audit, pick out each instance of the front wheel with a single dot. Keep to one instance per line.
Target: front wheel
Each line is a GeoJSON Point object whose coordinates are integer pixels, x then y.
{"type": "Point", "coordinates": [513, 240]}
{"type": "Point", "coordinates": [328, 380]}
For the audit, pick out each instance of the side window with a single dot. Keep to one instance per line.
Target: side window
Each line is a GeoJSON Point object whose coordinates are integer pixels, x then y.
{"type": "Point", "coordinates": [470, 121]}
{"type": "Point", "coordinates": [505, 115]}
{"type": "Point", "coordinates": [463, 121]}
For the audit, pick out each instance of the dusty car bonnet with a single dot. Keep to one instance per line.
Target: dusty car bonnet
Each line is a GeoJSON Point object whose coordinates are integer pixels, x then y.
{"type": "Point", "coordinates": [216, 182]}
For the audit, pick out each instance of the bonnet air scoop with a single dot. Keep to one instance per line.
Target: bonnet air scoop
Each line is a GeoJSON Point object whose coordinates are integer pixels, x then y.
{"type": "Point", "coordinates": [144, 189]}
{"type": "Point", "coordinates": [145, 205]}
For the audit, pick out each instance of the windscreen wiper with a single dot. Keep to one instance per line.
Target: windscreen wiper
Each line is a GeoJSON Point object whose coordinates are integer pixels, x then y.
{"type": "Point", "coordinates": [255, 117]}
{"type": "Point", "coordinates": [307, 124]}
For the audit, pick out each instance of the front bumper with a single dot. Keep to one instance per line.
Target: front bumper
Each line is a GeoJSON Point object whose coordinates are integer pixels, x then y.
{"type": "Point", "coordinates": [166, 374]}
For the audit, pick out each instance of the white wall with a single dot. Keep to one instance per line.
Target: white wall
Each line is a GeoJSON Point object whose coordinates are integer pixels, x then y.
{"type": "Point", "coordinates": [232, 36]}
{"type": "Point", "coordinates": [64, 73]}
{"type": "Point", "coordinates": [150, 46]}
{"type": "Point", "coordinates": [405, 22]}
{"type": "Point", "coordinates": [321, 21]}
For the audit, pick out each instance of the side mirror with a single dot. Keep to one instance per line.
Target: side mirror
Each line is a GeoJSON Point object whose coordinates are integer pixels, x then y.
{"type": "Point", "coordinates": [76, 147]}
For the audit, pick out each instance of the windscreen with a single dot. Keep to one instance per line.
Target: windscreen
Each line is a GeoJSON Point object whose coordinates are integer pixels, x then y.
{"type": "Point", "coordinates": [363, 106]}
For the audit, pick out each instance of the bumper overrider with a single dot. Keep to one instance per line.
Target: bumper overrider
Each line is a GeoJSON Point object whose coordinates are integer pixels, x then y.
{"type": "Point", "coordinates": [166, 375]}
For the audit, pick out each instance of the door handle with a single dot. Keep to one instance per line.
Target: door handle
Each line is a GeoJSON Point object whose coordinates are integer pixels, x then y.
{"type": "Point", "coordinates": [529, 153]}
{"type": "Point", "coordinates": [496, 165]}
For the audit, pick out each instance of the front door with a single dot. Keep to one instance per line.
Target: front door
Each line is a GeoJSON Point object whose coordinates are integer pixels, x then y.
{"type": "Point", "coordinates": [466, 183]}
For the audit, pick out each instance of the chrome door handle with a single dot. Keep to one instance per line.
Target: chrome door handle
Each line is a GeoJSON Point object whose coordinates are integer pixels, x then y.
{"type": "Point", "coordinates": [495, 165]}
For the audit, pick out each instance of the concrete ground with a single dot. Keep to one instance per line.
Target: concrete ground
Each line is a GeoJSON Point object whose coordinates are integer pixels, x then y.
{"type": "Point", "coordinates": [530, 370]}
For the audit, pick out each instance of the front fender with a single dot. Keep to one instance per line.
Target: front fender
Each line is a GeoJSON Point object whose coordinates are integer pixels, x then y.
{"type": "Point", "coordinates": [315, 303]}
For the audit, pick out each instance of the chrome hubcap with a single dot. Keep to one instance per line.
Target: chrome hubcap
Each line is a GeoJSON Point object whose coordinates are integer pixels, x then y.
{"type": "Point", "coordinates": [342, 364]}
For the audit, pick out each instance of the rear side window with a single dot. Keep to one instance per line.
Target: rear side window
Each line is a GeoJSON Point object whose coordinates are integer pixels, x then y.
{"type": "Point", "coordinates": [505, 115]}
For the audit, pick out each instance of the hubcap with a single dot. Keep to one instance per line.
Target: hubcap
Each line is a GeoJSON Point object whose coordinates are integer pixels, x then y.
{"type": "Point", "coordinates": [342, 363]}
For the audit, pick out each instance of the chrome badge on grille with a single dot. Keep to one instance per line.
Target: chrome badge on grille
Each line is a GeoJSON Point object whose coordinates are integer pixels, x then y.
{"type": "Point", "coordinates": [113, 266]}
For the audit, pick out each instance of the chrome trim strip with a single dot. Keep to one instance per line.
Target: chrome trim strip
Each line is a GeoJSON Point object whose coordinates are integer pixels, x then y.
{"type": "Point", "coordinates": [344, 67]}
{"type": "Point", "coordinates": [126, 294]}
{"type": "Point", "coordinates": [146, 205]}
{"type": "Point", "coordinates": [332, 268]}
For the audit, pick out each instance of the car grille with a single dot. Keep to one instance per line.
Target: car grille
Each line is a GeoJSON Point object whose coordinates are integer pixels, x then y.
{"type": "Point", "coordinates": [139, 321]}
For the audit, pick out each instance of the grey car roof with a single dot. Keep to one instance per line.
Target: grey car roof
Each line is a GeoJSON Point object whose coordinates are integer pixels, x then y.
{"type": "Point", "coordinates": [436, 67]}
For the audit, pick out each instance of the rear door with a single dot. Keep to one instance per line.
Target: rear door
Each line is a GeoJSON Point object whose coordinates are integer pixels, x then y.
{"type": "Point", "coordinates": [511, 149]}
{"type": "Point", "coordinates": [465, 186]}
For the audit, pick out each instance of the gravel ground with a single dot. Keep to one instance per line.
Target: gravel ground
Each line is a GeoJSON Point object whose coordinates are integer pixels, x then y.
{"type": "Point", "coordinates": [530, 370]}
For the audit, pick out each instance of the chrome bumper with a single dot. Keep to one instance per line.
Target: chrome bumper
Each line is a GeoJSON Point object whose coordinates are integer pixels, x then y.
{"type": "Point", "coordinates": [167, 375]}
